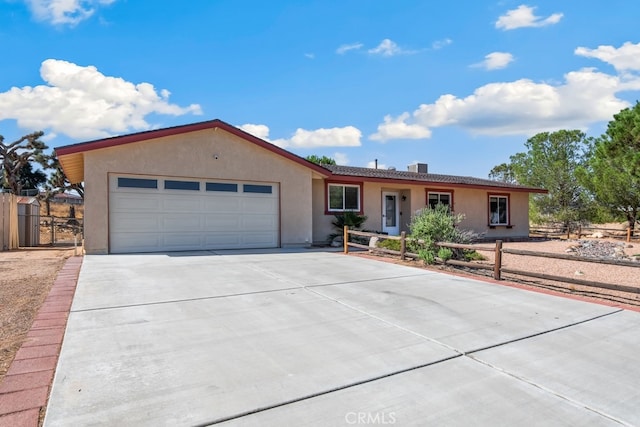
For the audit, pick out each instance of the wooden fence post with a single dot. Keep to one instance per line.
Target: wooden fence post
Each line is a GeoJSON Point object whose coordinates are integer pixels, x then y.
{"type": "Point", "coordinates": [403, 244]}
{"type": "Point", "coordinates": [345, 239]}
{"type": "Point", "coordinates": [628, 234]}
{"type": "Point", "coordinates": [579, 231]}
{"type": "Point", "coordinates": [497, 265]}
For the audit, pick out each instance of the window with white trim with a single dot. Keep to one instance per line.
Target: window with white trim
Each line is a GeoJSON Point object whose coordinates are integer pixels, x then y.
{"type": "Point", "coordinates": [498, 210]}
{"type": "Point", "coordinates": [343, 197]}
{"type": "Point", "coordinates": [435, 198]}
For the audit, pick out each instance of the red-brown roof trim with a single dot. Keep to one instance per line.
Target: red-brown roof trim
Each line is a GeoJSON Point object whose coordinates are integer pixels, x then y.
{"type": "Point", "coordinates": [177, 130]}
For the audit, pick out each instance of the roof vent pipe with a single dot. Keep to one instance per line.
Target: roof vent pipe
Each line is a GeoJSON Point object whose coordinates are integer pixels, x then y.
{"type": "Point", "coordinates": [376, 162]}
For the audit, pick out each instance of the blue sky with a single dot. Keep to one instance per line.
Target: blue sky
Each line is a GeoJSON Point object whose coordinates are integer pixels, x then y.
{"type": "Point", "coordinates": [458, 85]}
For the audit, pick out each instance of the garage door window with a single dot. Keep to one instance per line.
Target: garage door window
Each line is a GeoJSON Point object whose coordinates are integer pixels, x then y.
{"type": "Point", "coordinates": [181, 185]}
{"type": "Point", "coordinates": [222, 186]}
{"type": "Point", "coordinates": [252, 188]}
{"type": "Point", "coordinates": [137, 183]}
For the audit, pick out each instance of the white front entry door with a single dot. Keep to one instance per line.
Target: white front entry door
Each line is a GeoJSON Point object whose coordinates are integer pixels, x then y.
{"type": "Point", "coordinates": [390, 213]}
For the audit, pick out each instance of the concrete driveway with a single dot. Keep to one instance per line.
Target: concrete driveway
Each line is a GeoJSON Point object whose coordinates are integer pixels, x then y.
{"type": "Point", "coordinates": [275, 338]}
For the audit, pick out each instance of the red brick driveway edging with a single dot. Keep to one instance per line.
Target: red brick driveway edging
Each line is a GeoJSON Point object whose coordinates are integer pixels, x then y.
{"type": "Point", "coordinates": [25, 388]}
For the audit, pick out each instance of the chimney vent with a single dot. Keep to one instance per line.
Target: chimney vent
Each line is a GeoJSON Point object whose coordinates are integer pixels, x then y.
{"type": "Point", "coordinates": [418, 168]}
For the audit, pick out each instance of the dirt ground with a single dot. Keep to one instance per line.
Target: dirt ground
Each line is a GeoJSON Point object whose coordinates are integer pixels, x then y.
{"type": "Point", "coordinates": [26, 276]}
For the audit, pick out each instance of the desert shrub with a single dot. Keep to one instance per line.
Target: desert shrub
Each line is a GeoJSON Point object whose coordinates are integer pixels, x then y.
{"type": "Point", "coordinates": [427, 256]}
{"type": "Point", "coordinates": [470, 255]}
{"type": "Point", "coordinates": [391, 244]}
{"type": "Point", "coordinates": [445, 254]}
{"type": "Point", "coordinates": [432, 225]}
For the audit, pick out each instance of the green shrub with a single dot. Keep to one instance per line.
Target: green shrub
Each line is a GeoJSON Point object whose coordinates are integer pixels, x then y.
{"type": "Point", "coordinates": [391, 244]}
{"type": "Point", "coordinates": [470, 255]}
{"type": "Point", "coordinates": [432, 225]}
{"type": "Point", "coordinates": [427, 256]}
{"type": "Point", "coordinates": [351, 219]}
{"type": "Point", "coordinates": [445, 254]}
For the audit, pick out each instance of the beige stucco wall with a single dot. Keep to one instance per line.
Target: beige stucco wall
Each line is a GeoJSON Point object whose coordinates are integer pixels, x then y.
{"type": "Point", "coordinates": [471, 202]}
{"type": "Point", "coordinates": [193, 155]}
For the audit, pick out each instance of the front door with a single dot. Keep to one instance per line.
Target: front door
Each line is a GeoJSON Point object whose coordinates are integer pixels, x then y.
{"type": "Point", "coordinates": [390, 214]}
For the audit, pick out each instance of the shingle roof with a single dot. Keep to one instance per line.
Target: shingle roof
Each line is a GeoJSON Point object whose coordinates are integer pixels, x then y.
{"type": "Point", "coordinates": [427, 178]}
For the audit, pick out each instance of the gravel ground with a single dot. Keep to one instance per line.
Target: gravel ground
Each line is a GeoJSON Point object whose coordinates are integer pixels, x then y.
{"type": "Point", "coordinates": [603, 273]}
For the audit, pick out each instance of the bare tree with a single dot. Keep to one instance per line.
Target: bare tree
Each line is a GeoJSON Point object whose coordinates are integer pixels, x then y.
{"type": "Point", "coordinates": [14, 156]}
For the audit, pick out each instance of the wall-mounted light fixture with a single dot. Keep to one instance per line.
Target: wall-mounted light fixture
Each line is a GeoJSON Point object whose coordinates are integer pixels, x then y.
{"type": "Point", "coordinates": [404, 198]}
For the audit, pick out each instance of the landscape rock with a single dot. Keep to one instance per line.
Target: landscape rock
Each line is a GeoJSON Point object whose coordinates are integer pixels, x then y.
{"type": "Point", "coordinates": [373, 242]}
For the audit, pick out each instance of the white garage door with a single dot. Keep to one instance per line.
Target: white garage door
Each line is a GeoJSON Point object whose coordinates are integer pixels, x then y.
{"type": "Point", "coordinates": [154, 214]}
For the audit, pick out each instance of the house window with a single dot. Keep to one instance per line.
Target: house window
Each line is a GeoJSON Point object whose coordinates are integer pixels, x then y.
{"type": "Point", "coordinates": [498, 210]}
{"type": "Point", "coordinates": [436, 197]}
{"type": "Point", "coordinates": [343, 197]}
{"type": "Point", "coordinates": [252, 188]}
{"type": "Point", "coordinates": [137, 183]}
{"type": "Point", "coordinates": [181, 185]}
{"type": "Point", "coordinates": [222, 186]}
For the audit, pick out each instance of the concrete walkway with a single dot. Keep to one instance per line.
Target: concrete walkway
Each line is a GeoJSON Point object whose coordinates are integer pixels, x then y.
{"type": "Point", "coordinates": [315, 338]}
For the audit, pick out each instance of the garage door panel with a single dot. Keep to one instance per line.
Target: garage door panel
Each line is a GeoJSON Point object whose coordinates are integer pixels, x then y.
{"type": "Point", "coordinates": [258, 205]}
{"type": "Point", "coordinates": [223, 204]}
{"type": "Point", "coordinates": [181, 204]}
{"type": "Point", "coordinates": [259, 239]}
{"type": "Point", "coordinates": [135, 242]}
{"type": "Point", "coordinates": [137, 222]}
{"type": "Point", "coordinates": [159, 219]}
{"type": "Point", "coordinates": [181, 222]}
{"type": "Point", "coordinates": [259, 222]}
{"type": "Point", "coordinates": [223, 222]}
{"type": "Point", "coordinates": [135, 202]}
{"type": "Point", "coordinates": [223, 240]}
{"type": "Point", "coordinates": [181, 241]}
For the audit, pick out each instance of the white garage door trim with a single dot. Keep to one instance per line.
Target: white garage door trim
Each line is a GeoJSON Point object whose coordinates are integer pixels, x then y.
{"type": "Point", "coordinates": [161, 214]}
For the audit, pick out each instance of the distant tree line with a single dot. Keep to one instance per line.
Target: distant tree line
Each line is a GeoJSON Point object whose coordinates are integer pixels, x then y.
{"type": "Point", "coordinates": [26, 168]}
{"type": "Point", "coordinates": [589, 179]}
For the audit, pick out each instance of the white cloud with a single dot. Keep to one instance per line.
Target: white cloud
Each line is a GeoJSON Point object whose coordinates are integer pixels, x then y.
{"type": "Point", "coordinates": [347, 47]}
{"type": "Point", "coordinates": [398, 128]}
{"type": "Point", "coordinates": [624, 58]}
{"type": "Point", "coordinates": [439, 44]}
{"type": "Point", "coordinates": [495, 61]}
{"type": "Point", "coordinates": [341, 159]}
{"type": "Point", "coordinates": [388, 47]}
{"type": "Point", "coordinates": [261, 131]}
{"type": "Point", "coordinates": [310, 55]}
{"type": "Point", "coordinates": [521, 107]}
{"type": "Point", "coordinates": [347, 136]}
{"type": "Point", "coordinates": [523, 16]}
{"type": "Point", "coordinates": [83, 103]}
{"type": "Point", "coordinates": [64, 12]}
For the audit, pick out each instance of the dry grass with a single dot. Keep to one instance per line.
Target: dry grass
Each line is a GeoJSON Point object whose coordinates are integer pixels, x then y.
{"type": "Point", "coordinates": [61, 210]}
{"type": "Point", "coordinates": [26, 276]}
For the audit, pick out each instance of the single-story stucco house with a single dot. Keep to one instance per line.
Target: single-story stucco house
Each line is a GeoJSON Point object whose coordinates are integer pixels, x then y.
{"type": "Point", "coordinates": [210, 185]}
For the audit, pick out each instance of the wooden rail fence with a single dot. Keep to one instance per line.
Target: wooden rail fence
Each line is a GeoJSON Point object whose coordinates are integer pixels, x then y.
{"type": "Point", "coordinates": [580, 231]}
{"type": "Point", "coordinates": [497, 266]}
